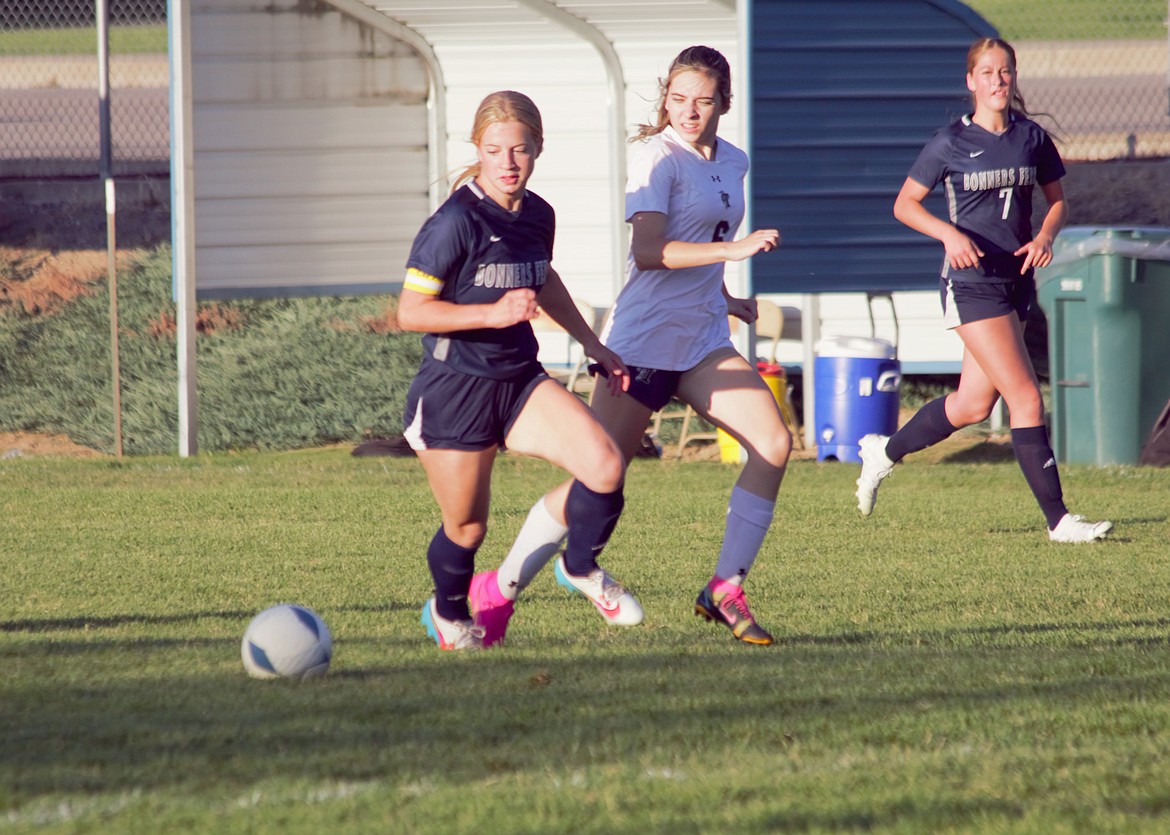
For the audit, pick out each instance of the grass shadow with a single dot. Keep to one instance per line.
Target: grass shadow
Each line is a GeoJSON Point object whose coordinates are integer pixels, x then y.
{"type": "Point", "coordinates": [983, 452]}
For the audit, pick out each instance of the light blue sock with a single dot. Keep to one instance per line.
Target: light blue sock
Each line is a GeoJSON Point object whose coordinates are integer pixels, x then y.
{"type": "Point", "coordinates": [748, 518]}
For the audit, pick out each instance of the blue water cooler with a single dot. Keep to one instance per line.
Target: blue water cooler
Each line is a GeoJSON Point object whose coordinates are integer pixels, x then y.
{"type": "Point", "coordinates": [856, 394]}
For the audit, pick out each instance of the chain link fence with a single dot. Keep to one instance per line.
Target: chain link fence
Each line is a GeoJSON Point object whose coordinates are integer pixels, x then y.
{"type": "Point", "coordinates": [49, 124]}
{"type": "Point", "coordinates": [1097, 69]}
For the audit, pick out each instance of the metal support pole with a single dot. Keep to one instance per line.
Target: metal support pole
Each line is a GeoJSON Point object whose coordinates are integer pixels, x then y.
{"type": "Point", "coordinates": [183, 220]}
{"type": "Point", "coordinates": [103, 32]}
{"type": "Point", "coordinates": [810, 333]}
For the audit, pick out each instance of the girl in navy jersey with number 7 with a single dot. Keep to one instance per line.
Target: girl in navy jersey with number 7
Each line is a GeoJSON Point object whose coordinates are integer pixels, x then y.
{"type": "Point", "coordinates": [684, 203]}
{"type": "Point", "coordinates": [989, 163]}
{"type": "Point", "coordinates": [478, 269]}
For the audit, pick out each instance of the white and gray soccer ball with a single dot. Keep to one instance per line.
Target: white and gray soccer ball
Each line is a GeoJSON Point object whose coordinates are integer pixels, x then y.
{"type": "Point", "coordinates": [287, 641]}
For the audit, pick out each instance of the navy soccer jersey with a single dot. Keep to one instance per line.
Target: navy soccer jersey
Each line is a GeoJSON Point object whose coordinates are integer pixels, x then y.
{"type": "Point", "coordinates": [473, 251]}
{"type": "Point", "coordinates": [989, 179]}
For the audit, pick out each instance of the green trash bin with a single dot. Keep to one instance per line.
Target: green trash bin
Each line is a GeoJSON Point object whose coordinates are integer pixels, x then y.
{"type": "Point", "coordinates": [1107, 298]}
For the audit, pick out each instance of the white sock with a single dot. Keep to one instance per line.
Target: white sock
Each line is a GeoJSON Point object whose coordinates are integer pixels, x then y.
{"type": "Point", "coordinates": [538, 542]}
{"type": "Point", "coordinates": [748, 518]}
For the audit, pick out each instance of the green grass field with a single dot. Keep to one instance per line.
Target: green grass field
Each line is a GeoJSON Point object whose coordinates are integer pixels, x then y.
{"type": "Point", "coordinates": [1033, 20]}
{"type": "Point", "coordinates": [942, 667]}
{"type": "Point", "coordinates": [124, 40]}
{"type": "Point", "coordinates": [1074, 20]}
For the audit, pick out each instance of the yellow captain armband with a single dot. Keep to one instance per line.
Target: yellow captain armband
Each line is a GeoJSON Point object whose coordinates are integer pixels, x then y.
{"type": "Point", "coordinates": [422, 282]}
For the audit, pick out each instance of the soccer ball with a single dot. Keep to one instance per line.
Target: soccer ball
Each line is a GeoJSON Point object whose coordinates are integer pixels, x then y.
{"type": "Point", "coordinates": [287, 641]}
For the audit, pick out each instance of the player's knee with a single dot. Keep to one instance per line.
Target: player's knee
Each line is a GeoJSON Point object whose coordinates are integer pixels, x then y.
{"type": "Point", "coordinates": [467, 535]}
{"type": "Point", "coordinates": [610, 471]}
{"type": "Point", "coordinates": [969, 416]}
{"type": "Point", "coordinates": [605, 470]}
{"type": "Point", "coordinates": [1027, 407]}
{"type": "Point", "coordinates": [967, 412]}
{"type": "Point", "coordinates": [774, 449]}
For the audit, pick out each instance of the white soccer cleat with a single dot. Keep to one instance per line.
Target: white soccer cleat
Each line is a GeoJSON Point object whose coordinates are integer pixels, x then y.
{"type": "Point", "coordinates": [616, 605]}
{"type": "Point", "coordinates": [1072, 528]}
{"type": "Point", "coordinates": [451, 634]}
{"type": "Point", "coordinates": [875, 467]}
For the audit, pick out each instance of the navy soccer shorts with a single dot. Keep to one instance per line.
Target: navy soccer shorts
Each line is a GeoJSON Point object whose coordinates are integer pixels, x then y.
{"type": "Point", "coordinates": [653, 387]}
{"type": "Point", "coordinates": [964, 302]}
{"type": "Point", "coordinates": [447, 409]}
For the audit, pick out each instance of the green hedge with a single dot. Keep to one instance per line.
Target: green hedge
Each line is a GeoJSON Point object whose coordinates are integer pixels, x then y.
{"type": "Point", "coordinates": [277, 374]}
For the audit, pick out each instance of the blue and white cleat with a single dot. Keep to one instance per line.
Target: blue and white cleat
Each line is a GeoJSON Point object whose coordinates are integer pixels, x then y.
{"type": "Point", "coordinates": [616, 605]}
{"type": "Point", "coordinates": [450, 634]}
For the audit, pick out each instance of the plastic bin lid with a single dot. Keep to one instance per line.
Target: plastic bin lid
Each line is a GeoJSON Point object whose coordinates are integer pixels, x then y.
{"type": "Point", "coordinates": [855, 346]}
{"type": "Point", "coordinates": [1148, 243]}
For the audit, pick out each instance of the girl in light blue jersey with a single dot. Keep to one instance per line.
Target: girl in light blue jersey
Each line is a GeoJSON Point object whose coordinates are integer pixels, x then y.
{"type": "Point", "coordinates": [684, 203]}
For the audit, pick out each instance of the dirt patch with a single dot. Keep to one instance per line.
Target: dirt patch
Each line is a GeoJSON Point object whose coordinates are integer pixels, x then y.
{"type": "Point", "coordinates": [40, 282]}
{"type": "Point", "coordinates": [19, 444]}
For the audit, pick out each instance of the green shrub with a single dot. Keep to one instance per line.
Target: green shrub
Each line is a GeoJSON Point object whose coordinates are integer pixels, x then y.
{"type": "Point", "coordinates": [273, 374]}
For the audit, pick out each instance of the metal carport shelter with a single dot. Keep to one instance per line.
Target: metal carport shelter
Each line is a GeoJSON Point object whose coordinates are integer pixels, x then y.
{"type": "Point", "coordinates": [218, 78]}
{"type": "Point", "coordinates": [310, 137]}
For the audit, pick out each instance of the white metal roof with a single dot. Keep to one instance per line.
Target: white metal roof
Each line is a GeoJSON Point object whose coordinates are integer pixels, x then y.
{"type": "Point", "coordinates": [510, 21]}
{"type": "Point", "coordinates": [609, 26]}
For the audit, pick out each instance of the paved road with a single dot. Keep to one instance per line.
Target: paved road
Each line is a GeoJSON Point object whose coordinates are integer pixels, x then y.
{"type": "Point", "coordinates": [1102, 112]}
{"type": "Point", "coordinates": [63, 124]}
{"type": "Point", "coordinates": [57, 116]}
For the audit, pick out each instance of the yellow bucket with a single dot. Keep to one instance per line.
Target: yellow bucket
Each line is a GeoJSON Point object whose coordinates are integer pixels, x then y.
{"type": "Point", "coordinates": [776, 379]}
{"type": "Point", "coordinates": [730, 452]}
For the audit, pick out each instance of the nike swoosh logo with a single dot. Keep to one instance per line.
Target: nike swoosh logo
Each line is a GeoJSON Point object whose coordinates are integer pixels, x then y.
{"type": "Point", "coordinates": [976, 153]}
{"type": "Point", "coordinates": [495, 238]}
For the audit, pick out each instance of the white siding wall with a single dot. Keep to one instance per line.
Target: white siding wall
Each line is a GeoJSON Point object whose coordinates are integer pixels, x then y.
{"type": "Point", "coordinates": [310, 151]}
{"type": "Point", "coordinates": [311, 156]}
{"type": "Point", "coordinates": [924, 346]}
{"type": "Point", "coordinates": [569, 85]}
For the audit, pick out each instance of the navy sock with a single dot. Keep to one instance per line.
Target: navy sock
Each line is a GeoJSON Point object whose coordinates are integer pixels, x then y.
{"type": "Point", "coordinates": [928, 426]}
{"type": "Point", "coordinates": [1034, 455]}
{"type": "Point", "coordinates": [592, 518]}
{"type": "Point", "coordinates": [451, 568]}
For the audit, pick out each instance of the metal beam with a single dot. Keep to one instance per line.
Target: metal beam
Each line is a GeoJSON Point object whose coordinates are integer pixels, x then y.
{"type": "Point", "coordinates": [742, 88]}
{"type": "Point", "coordinates": [436, 87]}
{"type": "Point", "coordinates": [617, 121]}
{"type": "Point", "coordinates": [183, 218]}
